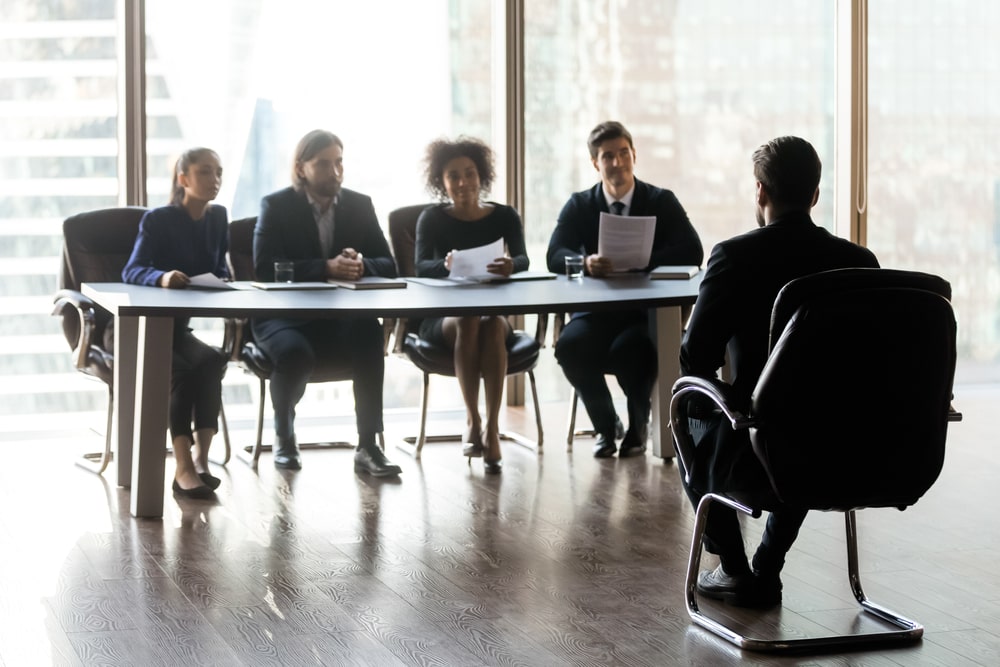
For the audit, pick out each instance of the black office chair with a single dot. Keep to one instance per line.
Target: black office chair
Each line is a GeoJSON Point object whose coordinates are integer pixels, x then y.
{"type": "Point", "coordinates": [243, 349]}
{"type": "Point", "coordinates": [96, 247]}
{"type": "Point", "coordinates": [430, 359]}
{"type": "Point", "coordinates": [850, 412]}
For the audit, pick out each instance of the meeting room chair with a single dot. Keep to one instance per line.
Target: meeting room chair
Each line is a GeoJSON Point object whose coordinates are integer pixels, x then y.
{"type": "Point", "coordinates": [242, 348]}
{"type": "Point", "coordinates": [850, 412]}
{"type": "Point", "coordinates": [438, 360]}
{"type": "Point", "coordinates": [96, 246]}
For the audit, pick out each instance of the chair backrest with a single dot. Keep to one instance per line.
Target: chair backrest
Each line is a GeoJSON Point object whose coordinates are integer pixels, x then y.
{"type": "Point", "coordinates": [403, 237]}
{"type": "Point", "coordinates": [852, 406]}
{"type": "Point", "coordinates": [241, 248]}
{"type": "Point", "coordinates": [96, 247]}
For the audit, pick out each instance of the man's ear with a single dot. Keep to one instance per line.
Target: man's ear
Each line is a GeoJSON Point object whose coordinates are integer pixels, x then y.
{"type": "Point", "coordinates": [815, 198]}
{"type": "Point", "coordinates": [762, 198]}
{"type": "Point", "coordinates": [593, 161]}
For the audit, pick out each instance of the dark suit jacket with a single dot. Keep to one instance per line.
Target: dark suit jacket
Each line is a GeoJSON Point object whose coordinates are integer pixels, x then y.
{"type": "Point", "coordinates": [742, 279]}
{"type": "Point", "coordinates": [576, 232]}
{"type": "Point", "coordinates": [286, 230]}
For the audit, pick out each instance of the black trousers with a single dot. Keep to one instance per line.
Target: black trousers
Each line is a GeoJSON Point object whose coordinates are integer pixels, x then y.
{"type": "Point", "coordinates": [195, 383]}
{"type": "Point", "coordinates": [618, 343]}
{"type": "Point", "coordinates": [296, 347]}
{"type": "Point", "coordinates": [725, 463]}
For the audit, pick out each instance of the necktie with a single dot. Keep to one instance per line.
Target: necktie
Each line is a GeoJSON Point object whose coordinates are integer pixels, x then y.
{"type": "Point", "coordinates": [617, 207]}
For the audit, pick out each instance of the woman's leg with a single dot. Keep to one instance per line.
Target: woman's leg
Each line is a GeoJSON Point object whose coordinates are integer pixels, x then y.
{"type": "Point", "coordinates": [493, 331]}
{"type": "Point", "coordinates": [462, 334]}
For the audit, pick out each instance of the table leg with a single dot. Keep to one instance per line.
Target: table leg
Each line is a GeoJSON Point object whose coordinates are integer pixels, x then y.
{"type": "Point", "coordinates": [152, 395]}
{"type": "Point", "coordinates": [126, 336]}
{"type": "Point", "coordinates": [669, 329]}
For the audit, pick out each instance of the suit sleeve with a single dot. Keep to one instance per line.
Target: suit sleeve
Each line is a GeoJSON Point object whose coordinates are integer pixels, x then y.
{"type": "Point", "coordinates": [377, 257]}
{"type": "Point", "coordinates": [140, 269]}
{"type": "Point", "coordinates": [703, 351]}
{"type": "Point", "coordinates": [221, 269]}
{"type": "Point", "coordinates": [273, 241]}
{"type": "Point", "coordinates": [567, 238]}
{"type": "Point", "coordinates": [676, 241]}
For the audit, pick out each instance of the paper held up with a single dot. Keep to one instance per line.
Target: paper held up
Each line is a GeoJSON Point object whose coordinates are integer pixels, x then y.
{"type": "Point", "coordinates": [626, 240]}
{"type": "Point", "coordinates": [470, 264]}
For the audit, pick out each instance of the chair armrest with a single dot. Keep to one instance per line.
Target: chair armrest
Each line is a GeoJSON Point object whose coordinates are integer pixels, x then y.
{"type": "Point", "coordinates": [953, 414]}
{"type": "Point", "coordinates": [719, 393]}
{"type": "Point", "coordinates": [85, 311]}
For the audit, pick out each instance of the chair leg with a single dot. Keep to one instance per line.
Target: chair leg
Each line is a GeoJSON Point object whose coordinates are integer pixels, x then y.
{"type": "Point", "coordinates": [97, 462]}
{"type": "Point", "coordinates": [225, 438]}
{"type": "Point", "coordinates": [571, 426]}
{"type": "Point", "coordinates": [251, 455]}
{"type": "Point", "coordinates": [908, 631]}
{"type": "Point", "coordinates": [519, 439]}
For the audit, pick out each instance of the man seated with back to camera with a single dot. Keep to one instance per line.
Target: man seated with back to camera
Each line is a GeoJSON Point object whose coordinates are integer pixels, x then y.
{"type": "Point", "coordinates": [742, 279]}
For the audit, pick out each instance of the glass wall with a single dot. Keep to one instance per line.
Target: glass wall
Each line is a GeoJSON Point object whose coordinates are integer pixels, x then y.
{"type": "Point", "coordinates": [58, 156]}
{"type": "Point", "coordinates": [934, 167]}
{"type": "Point", "coordinates": [699, 83]}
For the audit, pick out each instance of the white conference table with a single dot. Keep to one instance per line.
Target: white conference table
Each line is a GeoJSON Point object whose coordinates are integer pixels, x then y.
{"type": "Point", "coordinates": [144, 336]}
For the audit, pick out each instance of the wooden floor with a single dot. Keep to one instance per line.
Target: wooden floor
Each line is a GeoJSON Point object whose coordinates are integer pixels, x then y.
{"type": "Point", "coordinates": [562, 560]}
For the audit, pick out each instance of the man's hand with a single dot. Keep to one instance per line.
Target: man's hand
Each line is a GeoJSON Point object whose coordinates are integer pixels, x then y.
{"type": "Point", "coordinates": [598, 266]}
{"type": "Point", "coordinates": [174, 279]}
{"type": "Point", "coordinates": [348, 265]}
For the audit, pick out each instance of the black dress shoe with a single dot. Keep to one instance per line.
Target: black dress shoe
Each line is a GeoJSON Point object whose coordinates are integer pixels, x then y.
{"type": "Point", "coordinates": [198, 492]}
{"type": "Point", "coordinates": [287, 460]}
{"type": "Point", "coordinates": [634, 443]}
{"type": "Point", "coordinates": [740, 590]}
{"type": "Point", "coordinates": [372, 461]}
{"type": "Point", "coordinates": [604, 447]}
{"type": "Point", "coordinates": [210, 480]}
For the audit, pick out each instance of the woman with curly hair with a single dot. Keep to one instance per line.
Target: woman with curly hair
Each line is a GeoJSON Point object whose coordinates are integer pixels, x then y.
{"type": "Point", "coordinates": [460, 173]}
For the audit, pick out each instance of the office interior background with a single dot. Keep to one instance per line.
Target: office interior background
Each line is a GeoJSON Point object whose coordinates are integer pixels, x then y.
{"type": "Point", "coordinates": [700, 83]}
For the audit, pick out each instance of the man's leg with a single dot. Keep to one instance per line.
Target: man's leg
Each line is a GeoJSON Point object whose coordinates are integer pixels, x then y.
{"type": "Point", "coordinates": [581, 351]}
{"type": "Point", "coordinates": [293, 357]}
{"type": "Point", "coordinates": [359, 344]}
{"type": "Point", "coordinates": [632, 359]}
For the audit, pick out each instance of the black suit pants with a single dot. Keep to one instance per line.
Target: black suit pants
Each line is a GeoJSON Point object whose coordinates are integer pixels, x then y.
{"type": "Point", "coordinates": [295, 348]}
{"type": "Point", "coordinates": [617, 343]}
{"type": "Point", "coordinates": [725, 463]}
{"type": "Point", "coordinates": [195, 383]}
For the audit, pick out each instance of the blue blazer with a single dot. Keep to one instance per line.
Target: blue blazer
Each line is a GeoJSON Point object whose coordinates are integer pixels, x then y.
{"type": "Point", "coordinates": [286, 230]}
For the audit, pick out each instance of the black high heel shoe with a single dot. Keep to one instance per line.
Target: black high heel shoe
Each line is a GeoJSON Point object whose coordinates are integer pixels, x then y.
{"type": "Point", "coordinates": [492, 467]}
{"type": "Point", "coordinates": [473, 450]}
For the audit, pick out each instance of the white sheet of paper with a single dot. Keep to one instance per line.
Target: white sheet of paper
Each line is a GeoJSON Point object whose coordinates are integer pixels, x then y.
{"type": "Point", "coordinates": [209, 281]}
{"type": "Point", "coordinates": [626, 240]}
{"type": "Point", "coordinates": [471, 264]}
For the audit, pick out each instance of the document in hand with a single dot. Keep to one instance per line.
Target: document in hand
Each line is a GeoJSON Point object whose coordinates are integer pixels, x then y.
{"type": "Point", "coordinates": [674, 272]}
{"type": "Point", "coordinates": [626, 240]}
{"type": "Point", "coordinates": [470, 264]}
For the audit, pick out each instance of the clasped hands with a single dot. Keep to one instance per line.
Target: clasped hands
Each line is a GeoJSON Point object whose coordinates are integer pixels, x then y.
{"type": "Point", "coordinates": [348, 265]}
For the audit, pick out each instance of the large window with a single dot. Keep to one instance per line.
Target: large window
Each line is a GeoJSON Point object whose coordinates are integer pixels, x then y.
{"type": "Point", "coordinates": [934, 167]}
{"type": "Point", "coordinates": [700, 83]}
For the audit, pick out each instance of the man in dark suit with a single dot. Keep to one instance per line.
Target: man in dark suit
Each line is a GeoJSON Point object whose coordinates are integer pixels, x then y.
{"type": "Point", "coordinates": [328, 233]}
{"type": "Point", "coordinates": [593, 344]}
{"type": "Point", "coordinates": [733, 310]}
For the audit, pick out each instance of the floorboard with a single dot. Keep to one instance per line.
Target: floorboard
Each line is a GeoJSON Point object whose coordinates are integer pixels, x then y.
{"type": "Point", "coordinates": [561, 560]}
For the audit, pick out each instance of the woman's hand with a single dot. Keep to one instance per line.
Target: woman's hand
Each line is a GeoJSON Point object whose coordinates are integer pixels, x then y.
{"type": "Point", "coordinates": [447, 261]}
{"type": "Point", "coordinates": [174, 280]}
{"type": "Point", "coordinates": [501, 266]}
